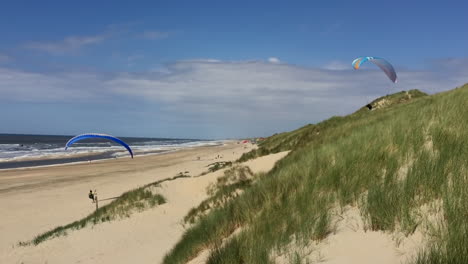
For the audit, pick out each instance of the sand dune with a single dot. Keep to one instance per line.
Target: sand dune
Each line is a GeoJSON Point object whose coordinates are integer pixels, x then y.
{"type": "Point", "coordinates": [36, 200]}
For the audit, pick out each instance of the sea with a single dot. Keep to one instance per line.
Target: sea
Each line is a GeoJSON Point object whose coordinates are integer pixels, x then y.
{"type": "Point", "coordinates": [19, 151]}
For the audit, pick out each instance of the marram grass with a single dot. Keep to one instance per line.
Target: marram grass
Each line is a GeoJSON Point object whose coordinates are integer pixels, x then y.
{"type": "Point", "coordinates": [388, 162]}
{"type": "Point", "coordinates": [128, 203]}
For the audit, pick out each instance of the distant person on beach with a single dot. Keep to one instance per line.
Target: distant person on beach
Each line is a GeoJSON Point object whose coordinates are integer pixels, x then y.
{"type": "Point", "coordinates": [91, 195]}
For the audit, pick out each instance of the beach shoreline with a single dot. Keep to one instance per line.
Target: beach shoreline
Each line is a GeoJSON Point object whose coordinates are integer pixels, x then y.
{"type": "Point", "coordinates": [39, 199]}
{"type": "Point", "coordinates": [77, 158]}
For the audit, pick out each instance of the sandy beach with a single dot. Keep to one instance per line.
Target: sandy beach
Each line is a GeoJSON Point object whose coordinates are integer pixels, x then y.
{"type": "Point", "coordinates": [35, 200]}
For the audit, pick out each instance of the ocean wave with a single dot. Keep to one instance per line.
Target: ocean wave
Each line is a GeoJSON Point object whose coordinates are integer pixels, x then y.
{"type": "Point", "coordinates": [19, 152]}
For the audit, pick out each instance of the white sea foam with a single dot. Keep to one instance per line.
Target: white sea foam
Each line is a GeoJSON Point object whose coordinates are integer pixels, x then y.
{"type": "Point", "coordinates": [18, 152]}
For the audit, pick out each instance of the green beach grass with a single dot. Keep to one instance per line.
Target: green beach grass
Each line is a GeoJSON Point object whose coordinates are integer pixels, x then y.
{"type": "Point", "coordinates": [226, 188]}
{"type": "Point", "coordinates": [389, 162]}
{"type": "Point", "coordinates": [311, 132]}
{"type": "Point", "coordinates": [124, 206]}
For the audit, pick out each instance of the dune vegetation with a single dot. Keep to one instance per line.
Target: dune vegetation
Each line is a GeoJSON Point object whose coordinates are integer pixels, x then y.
{"type": "Point", "coordinates": [409, 153]}
{"type": "Point", "coordinates": [124, 206]}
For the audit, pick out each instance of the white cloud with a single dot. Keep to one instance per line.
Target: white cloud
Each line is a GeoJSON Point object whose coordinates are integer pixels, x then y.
{"type": "Point", "coordinates": [273, 60]}
{"type": "Point", "coordinates": [255, 95]}
{"type": "Point", "coordinates": [337, 65]}
{"type": "Point", "coordinates": [22, 86]}
{"type": "Point", "coordinates": [66, 45]}
{"type": "Point", "coordinates": [72, 44]}
{"type": "Point", "coordinates": [269, 91]}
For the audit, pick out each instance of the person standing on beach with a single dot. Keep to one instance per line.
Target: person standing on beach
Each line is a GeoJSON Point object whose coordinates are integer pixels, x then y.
{"type": "Point", "coordinates": [91, 195]}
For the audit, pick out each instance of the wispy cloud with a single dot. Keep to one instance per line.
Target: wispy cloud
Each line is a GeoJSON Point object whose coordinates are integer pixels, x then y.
{"type": "Point", "coordinates": [69, 44]}
{"type": "Point", "coordinates": [23, 86]}
{"type": "Point", "coordinates": [75, 43]}
{"type": "Point", "coordinates": [256, 95]}
{"type": "Point", "coordinates": [274, 60]}
{"type": "Point", "coordinates": [337, 65]}
{"type": "Point", "coordinates": [279, 90]}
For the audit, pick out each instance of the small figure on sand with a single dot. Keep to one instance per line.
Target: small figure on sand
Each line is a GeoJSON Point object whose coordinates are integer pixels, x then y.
{"type": "Point", "coordinates": [91, 195]}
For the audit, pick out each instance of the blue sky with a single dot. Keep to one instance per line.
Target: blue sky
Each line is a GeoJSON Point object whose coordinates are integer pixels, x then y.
{"type": "Point", "coordinates": [215, 69]}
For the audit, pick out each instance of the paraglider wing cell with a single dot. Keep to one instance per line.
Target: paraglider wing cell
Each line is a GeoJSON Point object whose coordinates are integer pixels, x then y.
{"type": "Point", "coordinates": [357, 63]}
{"type": "Point", "coordinates": [109, 137]}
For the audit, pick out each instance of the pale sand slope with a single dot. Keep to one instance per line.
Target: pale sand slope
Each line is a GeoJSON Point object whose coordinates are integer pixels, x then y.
{"type": "Point", "coordinates": [351, 244]}
{"type": "Point", "coordinates": [39, 199]}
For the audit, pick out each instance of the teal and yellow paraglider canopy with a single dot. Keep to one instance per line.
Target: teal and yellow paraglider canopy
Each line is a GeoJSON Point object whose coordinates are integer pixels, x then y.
{"type": "Point", "coordinates": [383, 65]}
{"type": "Point", "coordinates": [94, 135]}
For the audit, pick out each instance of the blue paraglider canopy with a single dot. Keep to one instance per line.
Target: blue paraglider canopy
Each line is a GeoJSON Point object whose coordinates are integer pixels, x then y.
{"type": "Point", "coordinates": [94, 135]}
